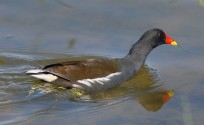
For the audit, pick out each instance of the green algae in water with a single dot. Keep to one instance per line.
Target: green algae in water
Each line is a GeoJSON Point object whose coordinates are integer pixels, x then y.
{"type": "Point", "coordinates": [2, 62]}
{"type": "Point", "coordinates": [47, 88]}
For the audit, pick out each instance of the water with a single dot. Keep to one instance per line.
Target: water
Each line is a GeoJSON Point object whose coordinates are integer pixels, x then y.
{"type": "Point", "coordinates": [58, 30]}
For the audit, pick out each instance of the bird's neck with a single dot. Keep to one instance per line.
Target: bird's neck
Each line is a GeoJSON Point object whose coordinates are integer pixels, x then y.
{"type": "Point", "coordinates": [138, 54]}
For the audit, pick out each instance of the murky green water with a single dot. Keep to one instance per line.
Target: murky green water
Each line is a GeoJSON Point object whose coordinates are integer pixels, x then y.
{"type": "Point", "coordinates": [169, 90]}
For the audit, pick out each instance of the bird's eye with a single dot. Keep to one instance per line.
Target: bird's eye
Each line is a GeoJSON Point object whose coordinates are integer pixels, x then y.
{"type": "Point", "coordinates": [159, 35]}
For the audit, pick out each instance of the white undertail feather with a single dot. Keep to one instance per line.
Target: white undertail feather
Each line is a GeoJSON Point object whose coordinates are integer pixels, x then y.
{"type": "Point", "coordinates": [100, 80]}
{"type": "Point", "coordinates": [45, 77]}
{"type": "Point", "coordinates": [33, 71]}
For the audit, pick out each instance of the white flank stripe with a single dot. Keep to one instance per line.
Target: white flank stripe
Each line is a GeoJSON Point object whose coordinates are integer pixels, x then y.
{"type": "Point", "coordinates": [100, 80]}
{"type": "Point", "coordinates": [46, 77]}
{"type": "Point", "coordinates": [90, 80]}
{"type": "Point", "coordinates": [76, 86]}
{"type": "Point", "coordinates": [85, 82]}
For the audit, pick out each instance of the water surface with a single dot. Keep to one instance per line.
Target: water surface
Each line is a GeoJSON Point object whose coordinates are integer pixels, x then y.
{"type": "Point", "coordinates": [45, 32]}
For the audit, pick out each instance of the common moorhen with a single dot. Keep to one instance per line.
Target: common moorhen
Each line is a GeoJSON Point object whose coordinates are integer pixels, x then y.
{"type": "Point", "coordinates": [93, 75]}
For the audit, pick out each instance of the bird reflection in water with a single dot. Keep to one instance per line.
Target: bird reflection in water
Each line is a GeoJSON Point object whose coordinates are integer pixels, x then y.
{"type": "Point", "coordinates": [154, 101]}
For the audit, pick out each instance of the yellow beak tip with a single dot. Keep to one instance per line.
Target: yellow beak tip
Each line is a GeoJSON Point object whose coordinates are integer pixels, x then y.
{"type": "Point", "coordinates": [174, 43]}
{"type": "Point", "coordinates": [171, 93]}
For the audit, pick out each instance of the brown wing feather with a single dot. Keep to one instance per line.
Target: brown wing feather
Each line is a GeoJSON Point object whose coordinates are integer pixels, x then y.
{"type": "Point", "coordinates": [77, 70]}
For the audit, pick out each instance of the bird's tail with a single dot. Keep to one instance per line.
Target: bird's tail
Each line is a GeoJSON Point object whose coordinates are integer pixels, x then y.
{"type": "Point", "coordinates": [41, 74]}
